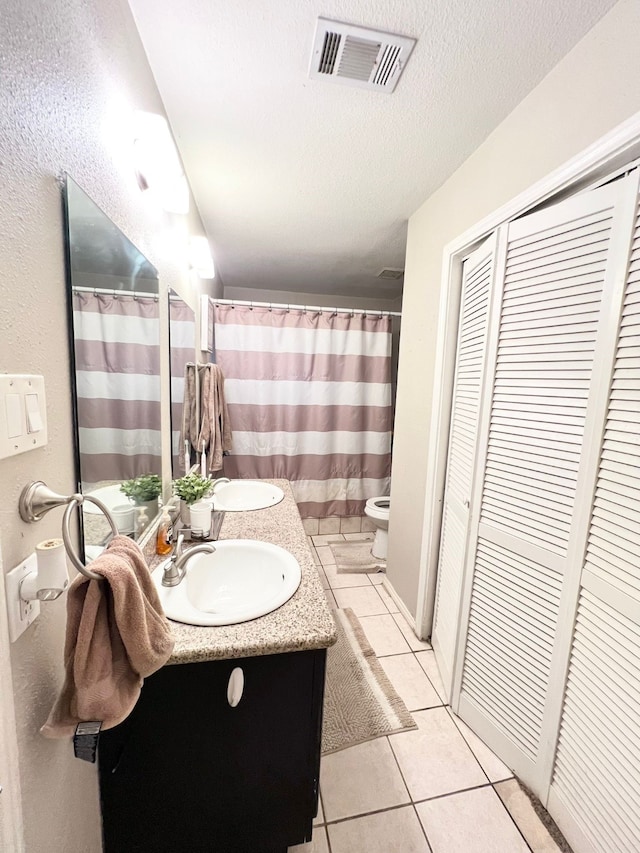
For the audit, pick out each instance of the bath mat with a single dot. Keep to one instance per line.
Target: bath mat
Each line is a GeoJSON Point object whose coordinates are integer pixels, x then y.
{"type": "Point", "coordinates": [360, 702]}
{"type": "Point", "coordinates": [355, 557]}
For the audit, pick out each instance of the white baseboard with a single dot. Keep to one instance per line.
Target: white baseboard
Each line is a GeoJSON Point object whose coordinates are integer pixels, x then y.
{"type": "Point", "coordinates": [411, 619]}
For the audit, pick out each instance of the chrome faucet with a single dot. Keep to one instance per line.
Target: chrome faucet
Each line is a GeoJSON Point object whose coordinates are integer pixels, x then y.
{"type": "Point", "coordinates": [217, 483]}
{"type": "Point", "coordinates": [176, 568]}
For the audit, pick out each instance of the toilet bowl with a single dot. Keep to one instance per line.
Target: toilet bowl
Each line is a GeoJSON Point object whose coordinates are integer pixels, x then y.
{"type": "Point", "coordinates": [377, 509]}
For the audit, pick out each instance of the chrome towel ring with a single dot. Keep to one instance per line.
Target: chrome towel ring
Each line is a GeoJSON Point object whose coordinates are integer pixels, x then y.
{"type": "Point", "coordinates": [37, 499]}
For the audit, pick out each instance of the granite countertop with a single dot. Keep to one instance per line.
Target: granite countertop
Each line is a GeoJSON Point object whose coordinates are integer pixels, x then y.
{"type": "Point", "coordinates": [304, 622]}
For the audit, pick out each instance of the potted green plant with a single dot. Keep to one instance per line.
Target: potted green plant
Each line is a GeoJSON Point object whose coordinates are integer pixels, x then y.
{"type": "Point", "coordinates": [190, 489]}
{"type": "Point", "coordinates": [144, 490]}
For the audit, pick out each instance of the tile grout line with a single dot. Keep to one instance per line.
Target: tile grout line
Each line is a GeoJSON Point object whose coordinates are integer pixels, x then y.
{"type": "Point", "coordinates": [370, 813]}
{"type": "Point", "coordinates": [396, 808]}
{"type": "Point", "coordinates": [428, 648]}
{"type": "Point", "coordinates": [488, 784]}
{"type": "Point", "coordinates": [453, 793]}
{"type": "Point", "coordinates": [513, 820]}
{"type": "Point", "coordinates": [410, 803]}
{"type": "Point", "coordinates": [467, 744]}
{"type": "Point", "coordinates": [383, 602]}
{"type": "Point", "coordinates": [437, 692]}
{"type": "Point", "coordinates": [411, 652]}
{"type": "Point", "coordinates": [413, 802]}
{"type": "Point", "coordinates": [395, 758]}
{"type": "Point", "coordinates": [379, 811]}
{"type": "Point", "coordinates": [422, 827]}
{"type": "Point", "coordinates": [493, 784]}
{"type": "Point", "coordinates": [448, 793]}
{"type": "Point", "coordinates": [328, 840]}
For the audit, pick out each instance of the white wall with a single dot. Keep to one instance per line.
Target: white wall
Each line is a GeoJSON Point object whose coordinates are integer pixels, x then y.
{"type": "Point", "coordinates": [594, 88]}
{"type": "Point", "coordinates": [72, 71]}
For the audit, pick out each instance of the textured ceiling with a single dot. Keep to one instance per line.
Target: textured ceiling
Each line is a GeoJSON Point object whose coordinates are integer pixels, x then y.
{"type": "Point", "coordinates": [306, 186]}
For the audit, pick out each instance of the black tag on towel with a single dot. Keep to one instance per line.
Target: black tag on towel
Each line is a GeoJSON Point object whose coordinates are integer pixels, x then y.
{"type": "Point", "coordinates": [85, 740]}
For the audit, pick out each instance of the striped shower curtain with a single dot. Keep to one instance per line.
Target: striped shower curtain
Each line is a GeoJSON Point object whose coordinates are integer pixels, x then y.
{"type": "Point", "coordinates": [309, 399]}
{"type": "Point", "coordinates": [182, 343]}
{"type": "Point", "coordinates": [117, 351]}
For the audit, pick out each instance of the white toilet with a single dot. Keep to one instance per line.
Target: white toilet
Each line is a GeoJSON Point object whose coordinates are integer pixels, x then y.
{"type": "Point", "coordinates": [377, 509]}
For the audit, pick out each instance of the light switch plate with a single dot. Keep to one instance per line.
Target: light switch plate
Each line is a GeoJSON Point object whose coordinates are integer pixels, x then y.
{"type": "Point", "coordinates": [14, 417]}
{"type": "Point", "coordinates": [21, 613]}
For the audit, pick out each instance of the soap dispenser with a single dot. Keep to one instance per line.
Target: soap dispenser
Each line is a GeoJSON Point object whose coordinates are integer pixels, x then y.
{"type": "Point", "coordinates": [164, 535]}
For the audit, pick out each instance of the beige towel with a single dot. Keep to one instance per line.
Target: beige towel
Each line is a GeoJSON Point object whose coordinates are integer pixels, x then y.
{"type": "Point", "coordinates": [189, 420]}
{"type": "Point", "coordinates": [117, 634]}
{"type": "Point", "coordinates": [215, 430]}
{"type": "Point", "coordinates": [226, 436]}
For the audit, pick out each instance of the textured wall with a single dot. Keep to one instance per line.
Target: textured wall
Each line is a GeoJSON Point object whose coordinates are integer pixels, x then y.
{"type": "Point", "coordinates": [72, 72]}
{"type": "Point", "coordinates": [589, 92]}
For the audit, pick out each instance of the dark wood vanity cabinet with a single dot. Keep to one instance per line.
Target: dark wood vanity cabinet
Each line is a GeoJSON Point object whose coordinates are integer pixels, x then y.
{"type": "Point", "coordinates": [187, 772]}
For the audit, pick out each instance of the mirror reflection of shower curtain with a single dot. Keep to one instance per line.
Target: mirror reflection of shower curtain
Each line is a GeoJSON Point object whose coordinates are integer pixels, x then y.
{"type": "Point", "coordinates": [117, 351]}
{"type": "Point", "coordinates": [182, 337]}
{"type": "Point", "coordinates": [309, 397]}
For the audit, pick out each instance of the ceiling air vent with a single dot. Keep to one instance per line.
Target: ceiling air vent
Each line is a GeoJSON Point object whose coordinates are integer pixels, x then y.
{"type": "Point", "coordinates": [359, 57]}
{"type": "Point", "coordinates": [394, 275]}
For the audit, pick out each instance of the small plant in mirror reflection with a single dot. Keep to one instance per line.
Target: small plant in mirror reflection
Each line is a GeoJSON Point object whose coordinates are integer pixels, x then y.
{"type": "Point", "coordinates": [191, 487]}
{"type": "Point", "coordinates": [144, 488]}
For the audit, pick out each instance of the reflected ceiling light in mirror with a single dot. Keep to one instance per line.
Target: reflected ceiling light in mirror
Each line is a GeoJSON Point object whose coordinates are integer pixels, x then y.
{"type": "Point", "coordinates": [200, 257]}
{"type": "Point", "coordinates": [157, 163]}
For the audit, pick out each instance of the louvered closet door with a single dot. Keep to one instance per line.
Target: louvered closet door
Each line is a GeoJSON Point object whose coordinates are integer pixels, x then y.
{"type": "Point", "coordinates": [559, 281]}
{"type": "Point", "coordinates": [595, 795]}
{"type": "Point", "coordinates": [477, 277]}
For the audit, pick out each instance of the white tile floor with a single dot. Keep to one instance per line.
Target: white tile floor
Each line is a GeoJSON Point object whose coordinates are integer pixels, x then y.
{"type": "Point", "coordinates": [437, 789]}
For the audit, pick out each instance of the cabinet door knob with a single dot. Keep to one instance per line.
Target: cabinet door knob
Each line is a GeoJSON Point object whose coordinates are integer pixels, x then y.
{"type": "Point", "coordinates": [235, 686]}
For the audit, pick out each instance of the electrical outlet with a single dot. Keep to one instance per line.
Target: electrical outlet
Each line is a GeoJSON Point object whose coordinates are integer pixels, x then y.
{"type": "Point", "coordinates": [21, 613]}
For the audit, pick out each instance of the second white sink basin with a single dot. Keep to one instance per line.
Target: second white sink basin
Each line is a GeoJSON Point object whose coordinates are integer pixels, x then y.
{"type": "Point", "coordinates": [241, 580]}
{"type": "Point", "coordinates": [245, 495]}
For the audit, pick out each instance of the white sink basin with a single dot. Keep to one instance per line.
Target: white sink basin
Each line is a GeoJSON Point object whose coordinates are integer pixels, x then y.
{"type": "Point", "coordinates": [241, 580]}
{"type": "Point", "coordinates": [244, 495]}
{"type": "Point", "coordinates": [111, 496]}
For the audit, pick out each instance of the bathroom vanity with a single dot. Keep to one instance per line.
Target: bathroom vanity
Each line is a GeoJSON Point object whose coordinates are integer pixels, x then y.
{"type": "Point", "coordinates": [216, 760]}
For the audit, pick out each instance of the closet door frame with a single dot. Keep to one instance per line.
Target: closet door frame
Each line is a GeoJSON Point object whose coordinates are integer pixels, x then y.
{"type": "Point", "coordinates": [610, 152]}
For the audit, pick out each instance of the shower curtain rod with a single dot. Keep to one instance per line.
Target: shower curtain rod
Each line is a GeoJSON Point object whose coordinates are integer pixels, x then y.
{"type": "Point", "coordinates": [112, 291]}
{"type": "Point", "coordinates": [319, 308]}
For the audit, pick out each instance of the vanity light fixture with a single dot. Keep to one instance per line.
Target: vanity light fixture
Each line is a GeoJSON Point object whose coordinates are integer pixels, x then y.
{"type": "Point", "coordinates": [157, 162]}
{"type": "Point", "coordinates": [200, 258]}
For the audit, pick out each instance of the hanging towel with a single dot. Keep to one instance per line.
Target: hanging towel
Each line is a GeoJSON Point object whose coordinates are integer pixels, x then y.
{"type": "Point", "coordinates": [215, 430]}
{"type": "Point", "coordinates": [117, 635]}
{"type": "Point", "coordinates": [189, 419]}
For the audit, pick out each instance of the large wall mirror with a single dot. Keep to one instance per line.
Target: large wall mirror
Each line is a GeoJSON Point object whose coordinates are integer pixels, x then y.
{"type": "Point", "coordinates": [115, 341]}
